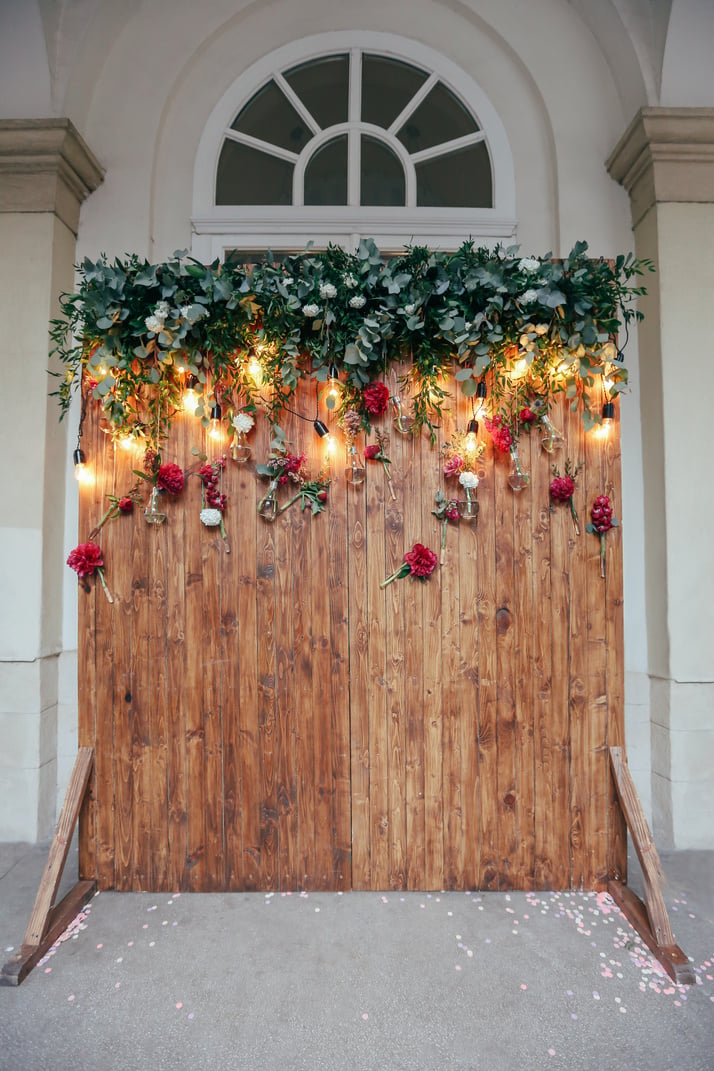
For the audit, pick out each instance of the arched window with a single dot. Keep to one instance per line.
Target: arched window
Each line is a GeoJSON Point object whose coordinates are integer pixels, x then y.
{"type": "Point", "coordinates": [332, 144]}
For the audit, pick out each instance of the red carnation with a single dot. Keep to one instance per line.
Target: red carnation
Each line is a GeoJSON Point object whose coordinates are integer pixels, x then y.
{"type": "Point", "coordinates": [527, 416]}
{"type": "Point", "coordinates": [170, 478]}
{"type": "Point", "coordinates": [85, 558]}
{"type": "Point", "coordinates": [376, 398]}
{"type": "Point", "coordinates": [602, 522]}
{"type": "Point", "coordinates": [372, 452]}
{"type": "Point", "coordinates": [562, 488]}
{"type": "Point", "coordinates": [499, 432]}
{"type": "Point", "coordinates": [126, 504]}
{"type": "Point", "coordinates": [419, 562]}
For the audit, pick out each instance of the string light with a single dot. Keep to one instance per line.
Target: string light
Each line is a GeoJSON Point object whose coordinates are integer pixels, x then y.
{"type": "Point", "coordinates": [471, 440]}
{"type": "Point", "coordinates": [333, 393]}
{"type": "Point", "coordinates": [255, 371]}
{"type": "Point", "coordinates": [190, 397]}
{"type": "Point", "coordinates": [126, 442]}
{"type": "Point", "coordinates": [215, 429]}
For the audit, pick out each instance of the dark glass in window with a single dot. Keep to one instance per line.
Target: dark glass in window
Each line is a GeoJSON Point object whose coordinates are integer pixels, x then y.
{"type": "Point", "coordinates": [460, 179]}
{"type": "Point", "coordinates": [381, 174]}
{"type": "Point", "coordinates": [387, 87]}
{"type": "Point", "coordinates": [270, 116]}
{"type": "Point", "coordinates": [323, 87]}
{"type": "Point", "coordinates": [326, 174]}
{"type": "Point", "coordinates": [247, 176]}
{"type": "Point", "coordinates": [440, 117]}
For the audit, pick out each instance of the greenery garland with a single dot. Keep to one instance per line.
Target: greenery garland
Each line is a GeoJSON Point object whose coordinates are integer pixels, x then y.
{"type": "Point", "coordinates": [133, 332]}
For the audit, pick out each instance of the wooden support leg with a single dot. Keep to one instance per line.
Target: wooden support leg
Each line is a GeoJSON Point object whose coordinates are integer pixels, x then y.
{"type": "Point", "coordinates": [48, 922]}
{"type": "Point", "coordinates": [649, 919]}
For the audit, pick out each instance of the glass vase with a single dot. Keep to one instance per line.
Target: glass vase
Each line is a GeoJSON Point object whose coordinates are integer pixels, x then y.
{"type": "Point", "coordinates": [517, 478]}
{"type": "Point", "coordinates": [268, 505]}
{"type": "Point", "coordinates": [401, 422]}
{"type": "Point", "coordinates": [152, 513]}
{"type": "Point", "coordinates": [469, 508]}
{"type": "Point", "coordinates": [240, 451]}
{"type": "Point", "coordinates": [551, 439]}
{"type": "Point", "coordinates": [354, 472]}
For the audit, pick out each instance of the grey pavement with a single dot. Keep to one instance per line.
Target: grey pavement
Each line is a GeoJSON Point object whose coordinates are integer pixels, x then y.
{"type": "Point", "coordinates": [360, 981]}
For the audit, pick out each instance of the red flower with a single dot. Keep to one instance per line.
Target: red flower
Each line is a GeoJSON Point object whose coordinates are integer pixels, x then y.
{"type": "Point", "coordinates": [207, 474]}
{"type": "Point", "coordinates": [126, 505]}
{"type": "Point", "coordinates": [170, 478]}
{"type": "Point", "coordinates": [322, 496]}
{"type": "Point", "coordinates": [526, 415]}
{"type": "Point", "coordinates": [372, 452]}
{"type": "Point", "coordinates": [421, 561]}
{"type": "Point", "coordinates": [376, 398]}
{"type": "Point", "coordinates": [562, 488]}
{"type": "Point", "coordinates": [454, 466]}
{"type": "Point", "coordinates": [85, 558]}
{"type": "Point", "coordinates": [601, 514]}
{"type": "Point", "coordinates": [500, 433]}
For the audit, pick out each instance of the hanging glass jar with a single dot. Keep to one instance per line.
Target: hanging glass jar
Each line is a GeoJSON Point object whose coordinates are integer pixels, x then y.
{"type": "Point", "coordinates": [517, 478]}
{"type": "Point", "coordinates": [152, 513]}
{"type": "Point", "coordinates": [268, 505]}
{"type": "Point", "coordinates": [551, 439]}
{"type": "Point", "coordinates": [240, 451]}
{"type": "Point", "coordinates": [402, 421]}
{"type": "Point", "coordinates": [354, 472]}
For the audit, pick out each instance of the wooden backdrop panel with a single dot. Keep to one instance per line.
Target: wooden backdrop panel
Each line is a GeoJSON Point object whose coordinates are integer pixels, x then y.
{"type": "Point", "coordinates": [266, 716]}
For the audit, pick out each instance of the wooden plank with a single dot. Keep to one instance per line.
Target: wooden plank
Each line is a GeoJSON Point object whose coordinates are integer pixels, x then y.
{"type": "Point", "coordinates": [421, 479]}
{"type": "Point", "coordinates": [176, 643]}
{"type": "Point", "coordinates": [581, 783]}
{"type": "Point", "coordinates": [673, 959]}
{"type": "Point", "coordinates": [285, 698]}
{"type": "Point", "coordinates": [38, 923]}
{"type": "Point", "coordinates": [523, 628]}
{"type": "Point", "coordinates": [335, 520]}
{"type": "Point", "coordinates": [433, 723]}
{"type": "Point", "coordinates": [487, 670]}
{"type": "Point", "coordinates": [235, 520]}
{"type": "Point", "coordinates": [19, 966]}
{"type": "Point", "coordinates": [267, 790]}
{"type": "Point", "coordinates": [304, 715]}
{"type": "Point", "coordinates": [380, 564]}
{"type": "Point", "coordinates": [138, 744]}
{"type": "Point", "coordinates": [322, 717]}
{"type": "Point", "coordinates": [212, 551]}
{"type": "Point", "coordinates": [615, 646]}
{"type": "Point", "coordinates": [645, 848]}
{"type": "Point", "coordinates": [156, 757]}
{"type": "Point", "coordinates": [506, 668]}
{"type": "Point", "coordinates": [195, 727]}
{"type": "Point", "coordinates": [356, 513]}
{"type": "Point", "coordinates": [396, 546]}
{"type": "Point", "coordinates": [544, 769]}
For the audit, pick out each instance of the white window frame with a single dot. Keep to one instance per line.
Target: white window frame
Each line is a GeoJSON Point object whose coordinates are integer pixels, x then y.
{"type": "Point", "coordinates": [219, 228]}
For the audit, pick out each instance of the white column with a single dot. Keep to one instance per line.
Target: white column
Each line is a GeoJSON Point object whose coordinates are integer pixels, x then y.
{"type": "Point", "coordinates": [46, 171]}
{"type": "Point", "coordinates": [665, 160]}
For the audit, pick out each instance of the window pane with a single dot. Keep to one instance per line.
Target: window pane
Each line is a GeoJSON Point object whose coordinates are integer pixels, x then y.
{"type": "Point", "coordinates": [382, 175]}
{"type": "Point", "coordinates": [269, 115]}
{"type": "Point", "coordinates": [249, 177]}
{"type": "Point", "coordinates": [326, 174]}
{"type": "Point", "coordinates": [322, 86]}
{"type": "Point", "coordinates": [440, 117]}
{"type": "Point", "coordinates": [458, 180]}
{"type": "Point", "coordinates": [387, 87]}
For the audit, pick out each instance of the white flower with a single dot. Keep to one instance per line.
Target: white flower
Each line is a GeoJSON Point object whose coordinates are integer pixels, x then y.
{"type": "Point", "coordinates": [541, 329]}
{"type": "Point", "coordinates": [211, 517]}
{"type": "Point", "coordinates": [357, 302]}
{"type": "Point", "coordinates": [469, 480]}
{"type": "Point", "coordinates": [153, 323]}
{"type": "Point", "coordinates": [528, 297]}
{"type": "Point", "coordinates": [162, 310]}
{"type": "Point", "coordinates": [349, 280]}
{"type": "Point", "coordinates": [410, 309]}
{"type": "Point", "coordinates": [311, 310]}
{"type": "Point", "coordinates": [327, 290]}
{"type": "Point", "coordinates": [243, 422]}
{"type": "Point", "coordinates": [529, 264]}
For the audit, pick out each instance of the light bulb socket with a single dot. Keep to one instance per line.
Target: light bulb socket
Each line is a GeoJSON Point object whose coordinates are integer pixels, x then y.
{"type": "Point", "coordinates": [191, 382]}
{"type": "Point", "coordinates": [320, 428]}
{"type": "Point", "coordinates": [481, 389]}
{"type": "Point", "coordinates": [472, 428]}
{"type": "Point", "coordinates": [333, 371]}
{"type": "Point", "coordinates": [216, 412]}
{"type": "Point", "coordinates": [78, 457]}
{"type": "Point", "coordinates": [608, 412]}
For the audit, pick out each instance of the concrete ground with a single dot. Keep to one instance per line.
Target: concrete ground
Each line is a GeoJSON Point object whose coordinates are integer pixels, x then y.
{"type": "Point", "coordinates": [360, 981]}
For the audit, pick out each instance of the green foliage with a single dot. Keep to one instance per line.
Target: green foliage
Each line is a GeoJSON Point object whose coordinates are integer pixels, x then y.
{"type": "Point", "coordinates": [133, 330]}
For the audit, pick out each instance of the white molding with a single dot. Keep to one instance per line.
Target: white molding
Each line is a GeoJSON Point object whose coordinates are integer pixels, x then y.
{"type": "Point", "coordinates": [249, 223]}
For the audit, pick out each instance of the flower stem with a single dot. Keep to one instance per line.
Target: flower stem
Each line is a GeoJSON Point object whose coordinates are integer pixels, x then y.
{"type": "Point", "coordinates": [289, 502]}
{"type": "Point", "coordinates": [107, 516]}
{"type": "Point", "coordinates": [271, 490]}
{"type": "Point", "coordinates": [403, 570]}
{"type": "Point", "coordinates": [443, 541]}
{"type": "Point", "coordinates": [574, 515]}
{"type": "Point", "coordinates": [602, 555]}
{"type": "Point", "coordinates": [385, 466]}
{"type": "Point", "coordinates": [104, 586]}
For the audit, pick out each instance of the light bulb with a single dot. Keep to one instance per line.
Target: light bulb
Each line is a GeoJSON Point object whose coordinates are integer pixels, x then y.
{"type": "Point", "coordinates": [126, 442]}
{"type": "Point", "coordinates": [471, 441]}
{"type": "Point", "coordinates": [82, 473]}
{"type": "Point", "coordinates": [608, 413]}
{"type": "Point", "coordinates": [190, 398]}
{"type": "Point", "coordinates": [255, 370]}
{"type": "Point", "coordinates": [333, 392]}
{"type": "Point", "coordinates": [481, 394]}
{"type": "Point", "coordinates": [215, 429]}
{"type": "Point", "coordinates": [330, 444]}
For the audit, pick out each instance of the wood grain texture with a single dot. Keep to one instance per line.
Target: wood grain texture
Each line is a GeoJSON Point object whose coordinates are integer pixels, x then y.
{"type": "Point", "coordinates": [271, 718]}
